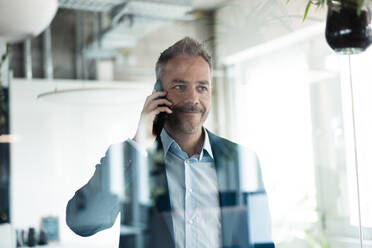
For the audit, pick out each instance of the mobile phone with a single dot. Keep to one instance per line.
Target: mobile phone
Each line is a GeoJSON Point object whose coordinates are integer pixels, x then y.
{"type": "Point", "coordinates": [158, 85]}
{"type": "Point", "coordinates": [162, 116]}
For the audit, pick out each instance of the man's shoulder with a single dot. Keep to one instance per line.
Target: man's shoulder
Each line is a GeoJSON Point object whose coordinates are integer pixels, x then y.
{"type": "Point", "coordinates": [222, 145]}
{"type": "Point", "coordinates": [220, 140]}
{"type": "Point", "coordinates": [124, 147]}
{"type": "Point", "coordinates": [227, 146]}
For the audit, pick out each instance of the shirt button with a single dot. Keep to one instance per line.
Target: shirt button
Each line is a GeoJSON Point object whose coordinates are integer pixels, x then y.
{"type": "Point", "coordinates": [187, 162]}
{"type": "Point", "coordinates": [190, 190]}
{"type": "Point", "coordinates": [190, 222]}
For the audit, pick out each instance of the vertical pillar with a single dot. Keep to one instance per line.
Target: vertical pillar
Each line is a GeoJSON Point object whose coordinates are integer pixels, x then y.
{"type": "Point", "coordinates": [27, 59]}
{"type": "Point", "coordinates": [47, 54]}
{"type": "Point", "coordinates": [79, 45]}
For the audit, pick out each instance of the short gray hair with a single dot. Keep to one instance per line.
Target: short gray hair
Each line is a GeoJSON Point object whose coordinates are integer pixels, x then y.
{"type": "Point", "coordinates": [186, 46]}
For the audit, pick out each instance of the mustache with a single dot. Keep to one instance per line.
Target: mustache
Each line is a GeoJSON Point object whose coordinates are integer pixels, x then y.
{"type": "Point", "coordinates": [188, 108]}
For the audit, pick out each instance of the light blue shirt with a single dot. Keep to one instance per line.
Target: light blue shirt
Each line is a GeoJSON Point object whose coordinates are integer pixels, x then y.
{"type": "Point", "coordinates": [193, 192]}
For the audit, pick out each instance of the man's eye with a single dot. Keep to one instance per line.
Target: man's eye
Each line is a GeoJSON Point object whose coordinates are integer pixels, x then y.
{"type": "Point", "coordinates": [179, 87]}
{"type": "Point", "coordinates": [203, 88]}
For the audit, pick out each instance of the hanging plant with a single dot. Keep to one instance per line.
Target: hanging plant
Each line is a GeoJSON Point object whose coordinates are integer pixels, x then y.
{"type": "Point", "coordinates": [348, 29]}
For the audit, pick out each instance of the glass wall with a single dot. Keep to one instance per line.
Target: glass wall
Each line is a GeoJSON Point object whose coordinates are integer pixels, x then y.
{"type": "Point", "coordinates": [283, 158]}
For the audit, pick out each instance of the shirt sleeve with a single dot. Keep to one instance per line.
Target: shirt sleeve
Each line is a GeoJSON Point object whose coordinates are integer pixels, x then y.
{"type": "Point", "coordinates": [93, 207]}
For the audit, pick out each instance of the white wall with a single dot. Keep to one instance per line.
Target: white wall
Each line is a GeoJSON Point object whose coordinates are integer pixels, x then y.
{"type": "Point", "coordinates": [58, 147]}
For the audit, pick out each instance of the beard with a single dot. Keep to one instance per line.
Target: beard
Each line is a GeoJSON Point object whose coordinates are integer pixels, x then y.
{"type": "Point", "coordinates": [180, 122]}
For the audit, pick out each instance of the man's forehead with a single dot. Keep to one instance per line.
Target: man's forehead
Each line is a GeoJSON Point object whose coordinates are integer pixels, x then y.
{"type": "Point", "coordinates": [185, 61]}
{"type": "Point", "coordinates": [187, 69]}
{"type": "Point", "coordinates": [183, 81]}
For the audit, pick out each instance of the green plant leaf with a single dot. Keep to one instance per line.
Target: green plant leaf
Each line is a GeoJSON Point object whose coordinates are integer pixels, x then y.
{"type": "Point", "coordinates": [306, 10]}
{"type": "Point", "coordinates": [360, 6]}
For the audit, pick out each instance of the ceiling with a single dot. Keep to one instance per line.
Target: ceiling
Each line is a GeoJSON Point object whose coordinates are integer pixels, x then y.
{"type": "Point", "coordinates": [106, 5]}
{"type": "Point", "coordinates": [208, 4]}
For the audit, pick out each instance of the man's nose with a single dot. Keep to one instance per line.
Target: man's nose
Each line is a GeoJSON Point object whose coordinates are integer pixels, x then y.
{"type": "Point", "coordinates": [193, 96]}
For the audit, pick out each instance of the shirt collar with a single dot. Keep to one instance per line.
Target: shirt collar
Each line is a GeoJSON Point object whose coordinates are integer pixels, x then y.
{"type": "Point", "coordinates": [167, 142]}
{"type": "Point", "coordinates": [207, 145]}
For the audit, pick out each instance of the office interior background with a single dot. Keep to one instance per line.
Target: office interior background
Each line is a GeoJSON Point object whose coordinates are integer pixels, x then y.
{"type": "Point", "coordinates": [278, 88]}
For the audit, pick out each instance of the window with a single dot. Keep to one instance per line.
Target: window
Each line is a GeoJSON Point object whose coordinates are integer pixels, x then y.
{"type": "Point", "coordinates": [292, 105]}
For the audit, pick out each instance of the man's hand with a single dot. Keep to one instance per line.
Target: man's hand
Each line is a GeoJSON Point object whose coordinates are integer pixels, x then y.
{"type": "Point", "coordinates": [154, 104]}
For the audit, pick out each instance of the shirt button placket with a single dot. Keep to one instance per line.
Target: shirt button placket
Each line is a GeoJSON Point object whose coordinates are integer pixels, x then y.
{"type": "Point", "coordinates": [189, 191]}
{"type": "Point", "coordinates": [188, 206]}
{"type": "Point", "coordinates": [191, 221]}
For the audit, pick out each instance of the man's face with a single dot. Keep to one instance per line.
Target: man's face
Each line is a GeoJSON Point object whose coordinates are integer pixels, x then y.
{"type": "Point", "coordinates": [188, 83]}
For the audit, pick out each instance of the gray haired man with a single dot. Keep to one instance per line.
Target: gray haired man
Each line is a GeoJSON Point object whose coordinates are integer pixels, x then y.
{"type": "Point", "coordinates": [212, 194]}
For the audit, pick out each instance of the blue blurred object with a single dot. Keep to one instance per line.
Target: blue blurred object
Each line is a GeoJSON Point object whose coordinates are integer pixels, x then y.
{"type": "Point", "coordinates": [50, 227]}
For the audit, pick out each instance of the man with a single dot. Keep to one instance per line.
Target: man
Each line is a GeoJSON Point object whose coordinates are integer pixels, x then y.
{"type": "Point", "coordinates": [206, 190]}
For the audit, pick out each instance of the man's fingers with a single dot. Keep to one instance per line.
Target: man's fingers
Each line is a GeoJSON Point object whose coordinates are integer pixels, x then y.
{"type": "Point", "coordinates": [154, 104]}
{"type": "Point", "coordinates": [158, 110]}
{"type": "Point", "coordinates": [154, 96]}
